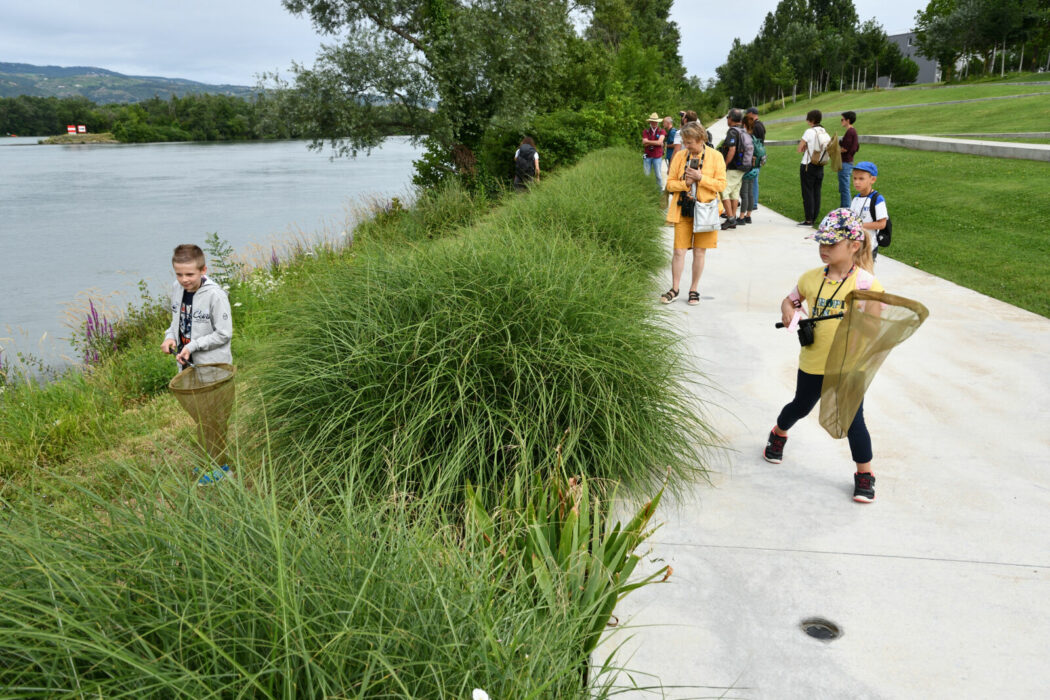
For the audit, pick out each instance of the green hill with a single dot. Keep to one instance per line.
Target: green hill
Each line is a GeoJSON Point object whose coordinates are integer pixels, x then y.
{"type": "Point", "coordinates": [942, 109]}
{"type": "Point", "coordinates": [99, 85]}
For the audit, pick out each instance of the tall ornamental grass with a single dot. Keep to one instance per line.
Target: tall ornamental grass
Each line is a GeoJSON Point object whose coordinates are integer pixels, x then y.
{"type": "Point", "coordinates": [182, 592]}
{"type": "Point", "coordinates": [606, 200]}
{"type": "Point", "coordinates": [475, 357]}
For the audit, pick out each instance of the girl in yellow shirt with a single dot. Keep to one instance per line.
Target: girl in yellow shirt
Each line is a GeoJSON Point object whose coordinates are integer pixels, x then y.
{"type": "Point", "coordinates": [846, 253]}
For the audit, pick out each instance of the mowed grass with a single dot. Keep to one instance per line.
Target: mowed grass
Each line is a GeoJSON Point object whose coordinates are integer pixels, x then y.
{"type": "Point", "coordinates": [840, 101]}
{"type": "Point", "coordinates": [979, 222]}
{"type": "Point", "coordinates": [996, 116]}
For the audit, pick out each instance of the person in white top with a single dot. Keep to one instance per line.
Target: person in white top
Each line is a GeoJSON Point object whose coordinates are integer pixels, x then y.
{"type": "Point", "coordinates": [813, 147]}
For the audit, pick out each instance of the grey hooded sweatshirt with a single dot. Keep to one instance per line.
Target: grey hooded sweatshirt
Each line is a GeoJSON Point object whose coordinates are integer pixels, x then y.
{"type": "Point", "coordinates": [212, 326]}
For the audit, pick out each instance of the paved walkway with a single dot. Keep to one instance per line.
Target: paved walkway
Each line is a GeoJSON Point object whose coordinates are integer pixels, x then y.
{"type": "Point", "coordinates": [941, 587]}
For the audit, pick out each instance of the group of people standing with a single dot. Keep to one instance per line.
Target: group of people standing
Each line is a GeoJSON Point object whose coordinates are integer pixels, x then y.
{"type": "Point", "coordinates": [696, 172]}
{"type": "Point", "coordinates": [728, 177]}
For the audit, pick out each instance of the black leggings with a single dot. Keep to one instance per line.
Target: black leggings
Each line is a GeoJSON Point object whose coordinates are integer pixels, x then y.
{"type": "Point", "coordinates": [807, 394]}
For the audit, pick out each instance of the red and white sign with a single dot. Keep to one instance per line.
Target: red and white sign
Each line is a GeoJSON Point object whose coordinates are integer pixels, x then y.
{"type": "Point", "coordinates": [81, 129]}
{"type": "Point", "coordinates": [71, 129]}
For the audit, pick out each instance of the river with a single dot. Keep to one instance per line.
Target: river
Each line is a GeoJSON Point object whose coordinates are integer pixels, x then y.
{"type": "Point", "coordinates": [86, 221]}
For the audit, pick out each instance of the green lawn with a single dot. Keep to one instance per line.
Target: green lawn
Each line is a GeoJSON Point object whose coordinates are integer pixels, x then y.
{"type": "Point", "coordinates": [1021, 114]}
{"type": "Point", "coordinates": [985, 230]}
{"type": "Point", "coordinates": [837, 102]}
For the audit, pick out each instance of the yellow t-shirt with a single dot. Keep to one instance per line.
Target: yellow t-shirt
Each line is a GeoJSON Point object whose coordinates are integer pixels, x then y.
{"type": "Point", "coordinates": [812, 358]}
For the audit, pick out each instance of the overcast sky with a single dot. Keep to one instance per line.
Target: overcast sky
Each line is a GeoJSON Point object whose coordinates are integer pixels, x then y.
{"type": "Point", "coordinates": [232, 41]}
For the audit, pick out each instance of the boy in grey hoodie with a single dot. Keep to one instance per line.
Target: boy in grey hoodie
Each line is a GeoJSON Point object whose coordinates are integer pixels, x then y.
{"type": "Point", "coordinates": [200, 332]}
{"type": "Point", "coordinates": [201, 323]}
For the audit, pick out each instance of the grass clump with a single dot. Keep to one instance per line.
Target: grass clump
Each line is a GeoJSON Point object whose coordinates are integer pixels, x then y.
{"type": "Point", "coordinates": [160, 591]}
{"type": "Point", "coordinates": [475, 359]}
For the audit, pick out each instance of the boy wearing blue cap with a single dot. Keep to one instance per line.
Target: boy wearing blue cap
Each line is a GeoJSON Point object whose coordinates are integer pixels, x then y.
{"type": "Point", "coordinates": [868, 205]}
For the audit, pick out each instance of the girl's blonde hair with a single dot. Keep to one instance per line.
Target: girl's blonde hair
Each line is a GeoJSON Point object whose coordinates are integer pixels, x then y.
{"type": "Point", "coordinates": [862, 256]}
{"type": "Point", "coordinates": [694, 132]}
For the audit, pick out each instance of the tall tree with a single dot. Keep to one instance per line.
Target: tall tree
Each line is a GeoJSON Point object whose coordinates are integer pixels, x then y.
{"type": "Point", "coordinates": [467, 61]}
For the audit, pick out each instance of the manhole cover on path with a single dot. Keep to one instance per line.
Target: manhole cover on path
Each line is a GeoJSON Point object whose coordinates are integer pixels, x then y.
{"type": "Point", "coordinates": [821, 629]}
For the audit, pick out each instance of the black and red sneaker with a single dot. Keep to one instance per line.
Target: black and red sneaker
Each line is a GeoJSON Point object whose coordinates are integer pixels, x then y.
{"type": "Point", "coordinates": [863, 487]}
{"type": "Point", "coordinates": [774, 451]}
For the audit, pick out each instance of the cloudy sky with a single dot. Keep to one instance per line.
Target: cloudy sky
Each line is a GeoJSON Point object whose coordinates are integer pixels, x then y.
{"type": "Point", "coordinates": [232, 41]}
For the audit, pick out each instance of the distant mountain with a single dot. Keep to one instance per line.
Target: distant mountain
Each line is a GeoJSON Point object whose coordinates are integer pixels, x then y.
{"type": "Point", "coordinates": [100, 85]}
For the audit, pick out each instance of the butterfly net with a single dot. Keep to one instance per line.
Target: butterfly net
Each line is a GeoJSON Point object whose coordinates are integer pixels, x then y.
{"type": "Point", "coordinates": [206, 392]}
{"type": "Point", "coordinates": [874, 324]}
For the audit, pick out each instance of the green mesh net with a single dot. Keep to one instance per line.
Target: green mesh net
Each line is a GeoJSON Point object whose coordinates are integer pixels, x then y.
{"type": "Point", "coordinates": [207, 392]}
{"type": "Point", "coordinates": [874, 324]}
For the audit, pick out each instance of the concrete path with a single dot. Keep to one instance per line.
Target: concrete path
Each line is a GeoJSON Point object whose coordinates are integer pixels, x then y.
{"type": "Point", "coordinates": [941, 587]}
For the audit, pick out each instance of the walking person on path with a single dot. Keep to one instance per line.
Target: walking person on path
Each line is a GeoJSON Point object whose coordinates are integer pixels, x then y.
{"type": "Point", "coordinates": [653, 139]}
{"type": "Point", "coordinates": [701, 168]}
{"type": "Point", "coordinates": [850, 144]}
{"type": "Point", "coordinates": [814, 149]}
{"type": "Point", "coordinates": [846, 254]}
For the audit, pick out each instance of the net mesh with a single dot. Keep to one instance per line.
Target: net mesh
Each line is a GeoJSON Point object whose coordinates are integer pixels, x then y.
{"type": "Point", "coordinates": [874, 324]}
{"type": "Point", "coordinates": [207, 393]}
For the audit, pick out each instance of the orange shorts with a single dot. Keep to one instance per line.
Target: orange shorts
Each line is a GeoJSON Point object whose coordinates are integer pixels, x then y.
{"type": "Point", "coordinates": [685, 238]}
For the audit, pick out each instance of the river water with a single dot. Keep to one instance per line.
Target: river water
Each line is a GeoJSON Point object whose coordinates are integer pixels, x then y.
{"type": "Point", "coordinates": [92, 220]}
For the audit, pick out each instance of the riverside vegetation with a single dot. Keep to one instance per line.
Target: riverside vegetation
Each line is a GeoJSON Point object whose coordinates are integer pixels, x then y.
{"type": "Point", "coordinates": [431, 424]}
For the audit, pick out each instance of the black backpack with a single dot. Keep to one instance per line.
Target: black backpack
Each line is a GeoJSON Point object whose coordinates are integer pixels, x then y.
{"type": "Point", "coordinates": [525, 163]}
{"type": "Point", "coordinates": [881, 237]}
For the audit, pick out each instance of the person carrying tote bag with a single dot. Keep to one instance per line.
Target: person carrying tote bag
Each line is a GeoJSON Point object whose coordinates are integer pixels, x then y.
{"type": "Point", "coordinates": [696, 176]}
{"type": "Point", "coordinates": [705, 214]}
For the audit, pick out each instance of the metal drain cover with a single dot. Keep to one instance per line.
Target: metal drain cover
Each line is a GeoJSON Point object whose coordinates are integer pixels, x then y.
{"type": "Point", "coordinates": [819, 628]}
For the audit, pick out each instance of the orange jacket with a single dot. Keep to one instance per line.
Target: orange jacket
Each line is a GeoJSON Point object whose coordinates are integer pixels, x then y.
{"type": "Point", "coordinates": [712, 180]}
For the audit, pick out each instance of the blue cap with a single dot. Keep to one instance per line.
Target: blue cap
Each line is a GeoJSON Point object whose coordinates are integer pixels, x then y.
{"type": "Point", "coordinates": [867, 166]}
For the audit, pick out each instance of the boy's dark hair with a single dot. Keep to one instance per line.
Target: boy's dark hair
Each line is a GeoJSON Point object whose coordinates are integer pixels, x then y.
{"type": "Point", "coordinates": [814, 115]}
{"type": "Point", "coordinates": [188, 253]}
{"type": "Point", "coordinates": [689, 116]}
{"type": "Point", "coordinates": [850, 116]}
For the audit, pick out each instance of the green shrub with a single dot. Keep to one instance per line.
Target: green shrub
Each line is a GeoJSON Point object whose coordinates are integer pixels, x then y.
{"type": "Point", "coordinates": [471, 358]}
{"type": "Point", "coordinates": [140, 372]}
{"type": "Point", "coordinates": [562, 138]}
{"type": "Point", "coordinates": [157, 591]}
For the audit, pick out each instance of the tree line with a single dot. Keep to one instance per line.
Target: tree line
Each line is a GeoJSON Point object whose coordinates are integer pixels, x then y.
{"type": "Point", "coordinates": [195, 117]}
{"type": "Point", "coordinates": [811, 46]}
{"type": "Point", "coordinates": [979, 37]}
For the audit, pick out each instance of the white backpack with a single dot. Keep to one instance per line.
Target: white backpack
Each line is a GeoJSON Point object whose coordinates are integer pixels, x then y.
{"type": "Point", "coordinates": [821, 156]}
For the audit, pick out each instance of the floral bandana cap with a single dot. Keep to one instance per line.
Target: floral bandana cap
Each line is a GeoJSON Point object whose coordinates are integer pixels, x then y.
{"type": "Point", "coordinates": [839, 225]}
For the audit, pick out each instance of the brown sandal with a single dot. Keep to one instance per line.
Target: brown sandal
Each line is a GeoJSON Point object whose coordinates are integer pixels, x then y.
{"type": "Point", "coordinates": [669, 296]}
{"type": "Point", "coordinates": [694, 298]}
